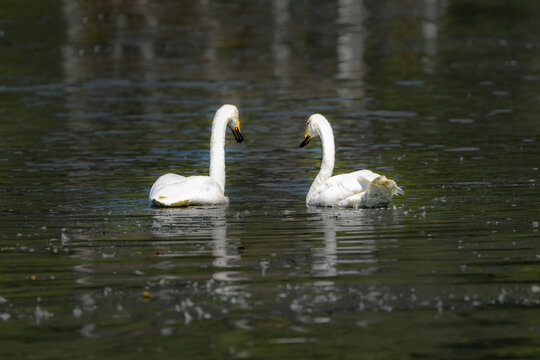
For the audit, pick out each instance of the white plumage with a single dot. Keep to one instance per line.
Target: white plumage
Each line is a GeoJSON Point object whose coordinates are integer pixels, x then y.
{"type": "Point", "coordinates": [171, 190]}
{"type": "Point", "coordinates": [362, 188]}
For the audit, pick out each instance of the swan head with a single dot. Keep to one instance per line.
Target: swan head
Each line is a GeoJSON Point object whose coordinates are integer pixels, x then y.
{"type": "Point", "coordinates": [230, 113]}
{"type": "Point", "coordinates": [313, 128]}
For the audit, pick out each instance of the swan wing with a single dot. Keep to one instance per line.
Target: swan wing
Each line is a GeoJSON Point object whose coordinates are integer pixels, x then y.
{"type": "Point", "coordinates": [184, 191]}
{"type": "Point", "coordinates": [336, 189]}
{"type": "Point", "coordinates": [165, 180]}
{"type": "Point", "coordinates": [365, 177]}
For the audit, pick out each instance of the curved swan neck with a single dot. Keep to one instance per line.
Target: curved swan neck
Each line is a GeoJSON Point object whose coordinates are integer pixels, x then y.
{"type": "Point", "coordinates": [327, 165]}
{"type": "Point", "coordinates": [217, 149]}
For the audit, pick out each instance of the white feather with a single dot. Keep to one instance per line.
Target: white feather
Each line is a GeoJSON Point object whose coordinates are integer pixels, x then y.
{"type": "Point", "coordinates": [171, 190]}
{"type": "Point", "coordinates": [362, 188]}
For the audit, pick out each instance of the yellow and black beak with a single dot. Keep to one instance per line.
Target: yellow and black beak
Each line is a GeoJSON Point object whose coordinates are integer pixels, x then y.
{"type": "Point", "coordinates": [306, 140]}
{"type": "Point", "coordinates": [237, 134]}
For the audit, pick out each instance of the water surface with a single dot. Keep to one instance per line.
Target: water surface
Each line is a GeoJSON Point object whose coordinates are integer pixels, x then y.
{"type": "Point", "coordinates": [99, 99]}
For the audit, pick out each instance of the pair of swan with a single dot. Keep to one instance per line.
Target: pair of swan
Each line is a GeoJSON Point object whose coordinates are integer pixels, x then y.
{"type": "Point", "coordinates": [362, 188]}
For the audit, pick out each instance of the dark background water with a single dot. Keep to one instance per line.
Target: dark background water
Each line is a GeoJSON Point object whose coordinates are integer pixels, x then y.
{"type": "Point", "coordinates": [99, 98]}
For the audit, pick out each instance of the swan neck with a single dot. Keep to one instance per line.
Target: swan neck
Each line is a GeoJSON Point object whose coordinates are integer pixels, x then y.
{"type": "Point", "coordinates": [217, 150]}
{"type": "Point", "coordinates": [327, 165]}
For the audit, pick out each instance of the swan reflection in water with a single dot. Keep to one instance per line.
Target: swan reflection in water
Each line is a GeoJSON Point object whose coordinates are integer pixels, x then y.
{"type": "Point", "coordinates": [356, 231]}
{"type": "Point", "coordinates": [176, 226]}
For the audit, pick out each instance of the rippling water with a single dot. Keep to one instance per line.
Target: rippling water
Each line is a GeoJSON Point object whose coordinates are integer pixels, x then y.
{"type": "Point", "coordinates": [97, 99]}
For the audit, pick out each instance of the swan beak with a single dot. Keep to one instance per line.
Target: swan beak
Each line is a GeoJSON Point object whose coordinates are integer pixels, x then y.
{"type": "Point", "coordinates": [306, 140]}
{"type": "Point", "coordinates": [237, 134]}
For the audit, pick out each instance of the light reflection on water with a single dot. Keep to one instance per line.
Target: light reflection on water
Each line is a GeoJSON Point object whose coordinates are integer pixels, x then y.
{"type": "Point", "coordinates": [437, 98]}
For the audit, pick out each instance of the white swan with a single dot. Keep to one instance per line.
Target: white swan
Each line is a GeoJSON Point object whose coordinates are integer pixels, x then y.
{"type": "Point", "coordinates": [359, 189]}
{"type": "Point", "coordinates": [172, 190]}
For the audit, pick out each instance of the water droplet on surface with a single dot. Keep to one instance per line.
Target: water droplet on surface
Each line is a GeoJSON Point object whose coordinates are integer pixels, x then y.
{"type": "Point", "coordinates": [42, 314]}
{"type": "Point", "coordinates": [87, 330]}
{"type": "Point", "coordinates": [166, 331]}
{"type": "Point", "coordinates": [187, 318]}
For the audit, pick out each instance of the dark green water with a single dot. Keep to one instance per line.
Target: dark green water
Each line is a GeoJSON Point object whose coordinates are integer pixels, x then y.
{"type": "Point", "coordinates": [99, 98]}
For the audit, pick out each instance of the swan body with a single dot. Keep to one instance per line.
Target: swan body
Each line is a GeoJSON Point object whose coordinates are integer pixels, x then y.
{"type": "Point", "coordinates": [359, 189]}
{"type": "Point", "coordinates": [171, 190]}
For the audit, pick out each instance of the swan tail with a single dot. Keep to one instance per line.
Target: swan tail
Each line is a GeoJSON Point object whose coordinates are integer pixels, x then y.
{"type": "Point", "coordinates": [380, 192]}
